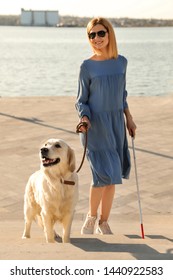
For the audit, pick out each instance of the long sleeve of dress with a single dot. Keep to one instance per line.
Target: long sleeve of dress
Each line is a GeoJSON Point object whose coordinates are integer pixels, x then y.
{"type": "Point", "coordinates": [125, 104]}
{"type": "Point", "coordinates": [83, 93]}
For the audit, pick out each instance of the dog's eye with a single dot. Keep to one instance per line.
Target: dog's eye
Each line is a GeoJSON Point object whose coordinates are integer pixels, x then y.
{"type": "Point", "coordinates": [57, 145]}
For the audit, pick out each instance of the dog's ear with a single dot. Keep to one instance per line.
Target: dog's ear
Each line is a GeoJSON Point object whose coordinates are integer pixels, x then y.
{"type": "Point", "coordinates": [71, 159]}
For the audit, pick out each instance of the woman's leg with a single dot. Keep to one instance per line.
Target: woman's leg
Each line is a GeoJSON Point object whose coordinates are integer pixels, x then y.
{"type": "Point", "coordinates": [106, 202]}
{"type": "Point", "coordinates": [94, 202]}
{"type": "Point", "coordinates": [95, 197]}
{"type": "Point", "coordinates": [103, 197]}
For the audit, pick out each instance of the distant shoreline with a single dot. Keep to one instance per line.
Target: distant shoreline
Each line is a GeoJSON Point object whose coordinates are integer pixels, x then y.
{"type": "Point", "coordinates": [72, 21]}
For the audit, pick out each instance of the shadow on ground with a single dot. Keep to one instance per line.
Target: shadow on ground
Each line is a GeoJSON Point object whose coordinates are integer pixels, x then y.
{"type": "Point", "coordinates": [138, 251]}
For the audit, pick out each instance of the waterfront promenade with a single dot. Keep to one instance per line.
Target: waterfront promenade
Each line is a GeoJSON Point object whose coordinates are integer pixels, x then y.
{"type": "Point", "coordinates": [26, 122]}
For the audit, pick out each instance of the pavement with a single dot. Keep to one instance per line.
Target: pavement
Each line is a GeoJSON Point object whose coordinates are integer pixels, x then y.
{"type": "Point", "coordinates": [27, 121]}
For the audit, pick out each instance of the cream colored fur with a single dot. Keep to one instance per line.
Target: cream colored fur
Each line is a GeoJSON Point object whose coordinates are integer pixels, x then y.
{"type": "Point", "coordinates": [46, 196]}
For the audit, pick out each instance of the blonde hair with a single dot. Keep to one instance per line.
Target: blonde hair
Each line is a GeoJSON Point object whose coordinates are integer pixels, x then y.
{"type": "Point", "coordinates": [112, 45]}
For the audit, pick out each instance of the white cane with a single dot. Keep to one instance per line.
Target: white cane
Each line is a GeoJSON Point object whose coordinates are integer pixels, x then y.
{"type": "Point", "coordinates": [137, 185]}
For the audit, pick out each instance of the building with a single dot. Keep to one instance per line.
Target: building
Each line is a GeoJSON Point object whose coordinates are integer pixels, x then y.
{"type": "Point", "coordinates": [39, 18]}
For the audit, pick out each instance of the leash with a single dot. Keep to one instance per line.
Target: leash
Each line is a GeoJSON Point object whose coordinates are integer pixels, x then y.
{"type": "Point", "coordinates": [85, 124]}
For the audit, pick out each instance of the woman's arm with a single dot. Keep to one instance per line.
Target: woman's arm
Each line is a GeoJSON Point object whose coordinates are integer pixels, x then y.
{"type": "Point", "coordinates": [83, 93]}
{"type": "Point", "coordinates": [131, 126]}
{"type": "Point", "coordinates": [82, 98]}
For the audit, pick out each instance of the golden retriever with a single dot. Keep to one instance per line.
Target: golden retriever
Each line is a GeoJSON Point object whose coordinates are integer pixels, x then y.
{"type": "Point", "coordinates": [52, 192]}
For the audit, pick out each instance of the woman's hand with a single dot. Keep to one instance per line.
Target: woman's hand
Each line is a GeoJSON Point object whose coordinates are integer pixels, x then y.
{"type": "Point", "coordinates": [131, 126]}
{"type": "Point", "coordinates": [84, 128]}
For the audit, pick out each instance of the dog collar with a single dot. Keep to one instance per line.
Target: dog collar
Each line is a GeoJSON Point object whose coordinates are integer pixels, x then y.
{"type": "Point", "coordinates": [66, 182]}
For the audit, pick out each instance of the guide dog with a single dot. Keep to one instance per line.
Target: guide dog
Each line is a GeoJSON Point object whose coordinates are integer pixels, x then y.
{"type": "Point", "coordinates": [51, 193]}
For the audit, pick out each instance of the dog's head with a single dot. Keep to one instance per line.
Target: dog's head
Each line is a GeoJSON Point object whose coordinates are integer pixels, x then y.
{"type": "Point", "coordinates": [55, 152]}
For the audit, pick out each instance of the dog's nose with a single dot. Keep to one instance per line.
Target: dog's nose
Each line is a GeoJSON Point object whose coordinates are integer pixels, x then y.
{"type": "Point", "coordinates": [44, 151]}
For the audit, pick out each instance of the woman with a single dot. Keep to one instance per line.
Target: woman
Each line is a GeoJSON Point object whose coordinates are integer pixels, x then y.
{"type": "Point", "coordinates": [102, 103]}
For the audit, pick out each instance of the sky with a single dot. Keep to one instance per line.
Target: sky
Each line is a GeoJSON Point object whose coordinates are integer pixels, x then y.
{"type": "Point", "coordinates": [162, 9]}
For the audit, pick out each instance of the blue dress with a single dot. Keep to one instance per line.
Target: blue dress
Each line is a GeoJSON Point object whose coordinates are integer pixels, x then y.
{"type": "Point", "coordinates": [102, 98]}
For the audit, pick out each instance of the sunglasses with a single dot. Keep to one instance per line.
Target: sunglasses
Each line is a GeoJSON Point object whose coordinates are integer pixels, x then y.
{"type": "Point", "coordinates": [100, 33]}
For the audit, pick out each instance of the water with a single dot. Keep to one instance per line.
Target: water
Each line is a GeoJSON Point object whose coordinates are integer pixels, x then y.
{"type": "Point", "coordinates": [45, 61]}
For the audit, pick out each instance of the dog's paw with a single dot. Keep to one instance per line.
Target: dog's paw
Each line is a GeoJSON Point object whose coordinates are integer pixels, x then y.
{"type": "Point", "coordinates": [66, 240]}
{"type": "Point", "coordinates": [25, 236]}
{"type": "Point", "coordinates": [50, 240]}
{"type": "Point", "coordinates": [57, 237]}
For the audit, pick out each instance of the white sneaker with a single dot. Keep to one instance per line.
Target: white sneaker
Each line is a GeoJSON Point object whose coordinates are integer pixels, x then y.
{"type": "Point", "coordinates": [88, 226]}
{"type": "Point", "coordinates": [103, 228]}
